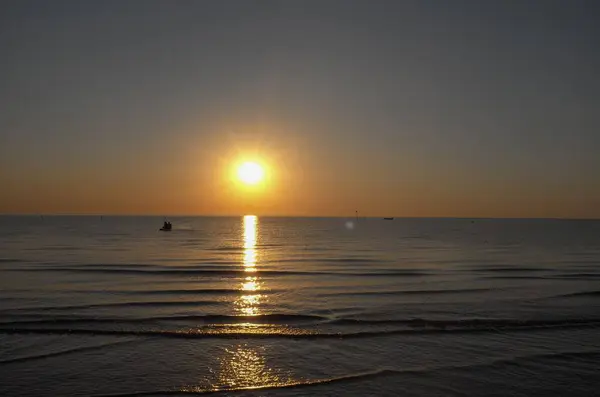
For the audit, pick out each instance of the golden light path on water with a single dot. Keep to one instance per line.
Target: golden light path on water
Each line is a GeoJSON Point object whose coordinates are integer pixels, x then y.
{"type": "Point", "coordinates": [249, 301]}
{"type": "Point", "coordinates": [244, 365]}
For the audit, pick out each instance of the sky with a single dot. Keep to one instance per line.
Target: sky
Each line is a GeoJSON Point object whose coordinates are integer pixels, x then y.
{"type": "Point", "coordinates": [390, 108]}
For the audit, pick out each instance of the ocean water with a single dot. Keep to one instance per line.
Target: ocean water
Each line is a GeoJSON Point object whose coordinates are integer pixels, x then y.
{"type": "Point", "coordinates": [251, 306]}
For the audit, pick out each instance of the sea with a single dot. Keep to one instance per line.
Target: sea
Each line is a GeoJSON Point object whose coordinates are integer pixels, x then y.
{"type": "Point", "coordinates": [273, 306]}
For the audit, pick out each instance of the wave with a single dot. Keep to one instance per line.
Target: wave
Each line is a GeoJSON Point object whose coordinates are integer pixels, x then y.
{"type": "Point", "coordinates": [219, 272]}
{"type": "Point", "coordinates": [582, 293]}
{"type": "Point", "coordinates": [11, 260]}
{"type": "Point", "coordinates": [507, 269]}
{"type": "Point", "coordinates": [496, 277]}
{"type": "Point", "coordinates": [163, 271]}
{"type": "Point", "coordinates": [65, 352]}
{"type": "Point", "coordinates": [566, 276]}
{"type": "Point", "coordinates": [287, 385]}
{"type": "Point", "coordinates": [226, 249]}
{"type": "Point", "coordinates": [425, 327]}
{"type": "Point", "coordinates": [583, 276]}
{"type": "Point", "coordinates": [56, 248]}
{"type": "Point", "coordinates": [359, 260]}
{"type": "Point", "coordinates": [408, 292]}
{"type": "Point", "coordinates": [351, 260]}
{"type": "Point", "coordinates": [469, 324]}
{"type": "Point", "coordinates": [318, 249]}
{"type": "Point", "coordinates": [275, 318]}
{"type": "Point", "coordinates": [419, 324]}
{"type": "Point", "coordinates": [115, 304]}
{"type": "Point", "coordinates": [75, 321]}
{"type": "Point", "coordinates": [269, 245]}
{"type": "Point", "coordinates": [390, 273]}
{"type": "Point", "coordinates": [359, 377]}
{"type": "Point", "coordinates": [211, 291]}
{"type": "Point", "coordinates": [198, 265]}
{"type": "Point", "coordinates": [104, 266]}
{"type": "Point", "coordinates": [268, 319]}
{"type": "Point", "coordinates": [583, 261]}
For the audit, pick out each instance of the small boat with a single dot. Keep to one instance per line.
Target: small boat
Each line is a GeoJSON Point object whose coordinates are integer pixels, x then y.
{"type": "Point", "coordinates": [167, 227]}
{"type": "Point", "coordinates": [388, 219]}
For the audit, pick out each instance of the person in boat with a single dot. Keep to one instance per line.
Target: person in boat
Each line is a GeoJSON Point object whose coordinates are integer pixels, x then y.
{"type": "Point", "coordinates": [166, 225]}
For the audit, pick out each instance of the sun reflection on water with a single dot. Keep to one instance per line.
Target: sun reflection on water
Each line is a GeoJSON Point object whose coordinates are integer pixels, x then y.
{"type": "Point", "coordinates": [248, 303]}
{"type": "Point", "coordinates": [243, 366]}
{"type": "Point", "coordinates": [250, 232]}
{"type": "Point", "coordinates": [250, 284]}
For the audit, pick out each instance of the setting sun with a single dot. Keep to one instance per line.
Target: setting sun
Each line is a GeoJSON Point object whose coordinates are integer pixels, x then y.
{"type": "Point", "coordinates": [250, 173]}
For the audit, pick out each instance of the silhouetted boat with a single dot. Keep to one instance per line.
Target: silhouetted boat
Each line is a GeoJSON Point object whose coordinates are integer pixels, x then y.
{"type": "Point", "coordinates": [167, 227]}
{"type": "Point", "coordinates": [388, 219]}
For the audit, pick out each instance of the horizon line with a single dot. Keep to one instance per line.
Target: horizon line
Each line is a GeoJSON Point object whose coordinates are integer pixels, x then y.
{"type": "Point", "coordinates": [295, 216]}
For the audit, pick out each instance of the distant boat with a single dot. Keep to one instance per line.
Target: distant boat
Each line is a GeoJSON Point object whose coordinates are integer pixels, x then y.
{"type": "Point", "coordinates": [167, 227]}
{"type": "Point", "coordinates": [388, 219]}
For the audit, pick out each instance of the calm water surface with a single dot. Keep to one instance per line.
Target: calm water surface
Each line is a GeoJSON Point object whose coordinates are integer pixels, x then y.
{"type": "Point", "coordinates": [253, 306]}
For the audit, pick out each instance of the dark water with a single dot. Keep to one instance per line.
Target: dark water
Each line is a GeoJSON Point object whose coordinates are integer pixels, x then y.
{"type": "Point", "coordinates": [291, 307]}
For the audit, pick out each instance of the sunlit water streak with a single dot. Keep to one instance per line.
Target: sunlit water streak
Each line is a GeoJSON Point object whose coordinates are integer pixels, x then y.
{"type": "Point", "coordinates": [299, 306]}
{"type": "Point", "coordinates": [244, 366]}
{"type": "Point", "coordinates": [249, 302]}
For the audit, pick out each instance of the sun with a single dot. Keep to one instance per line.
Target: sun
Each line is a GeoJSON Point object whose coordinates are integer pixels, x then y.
{"type": "Point", "coordinates": [250, 173]}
